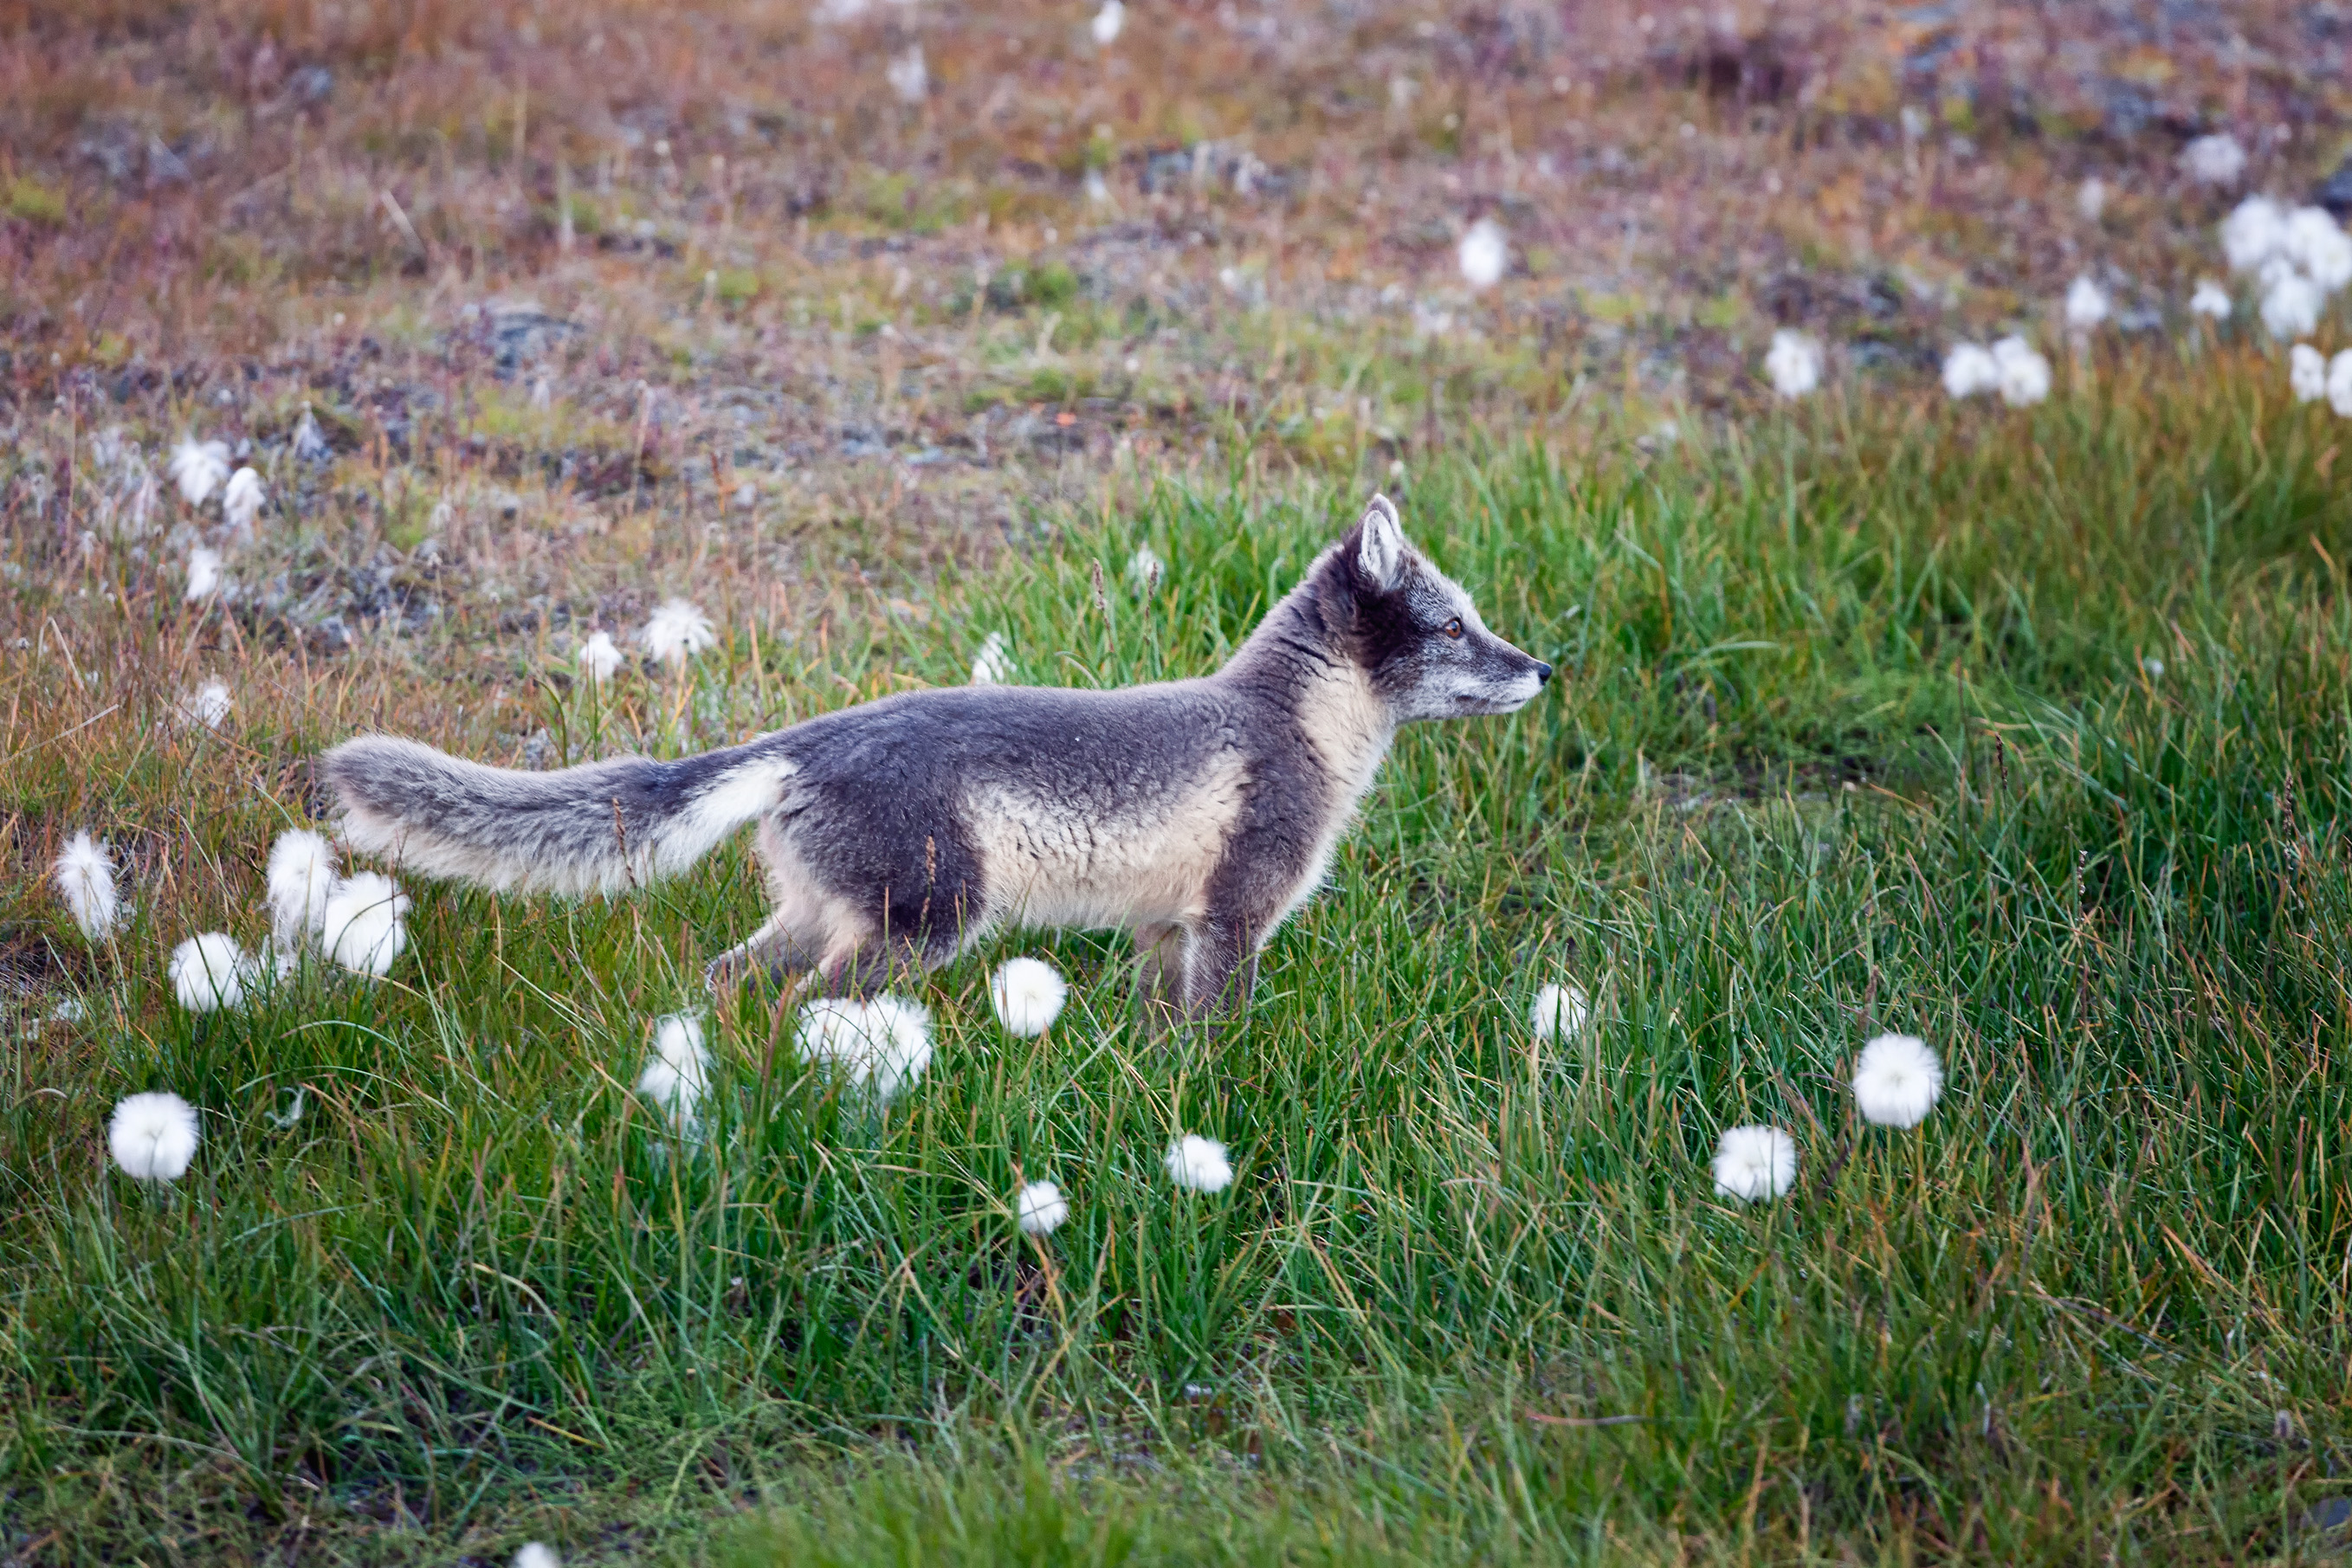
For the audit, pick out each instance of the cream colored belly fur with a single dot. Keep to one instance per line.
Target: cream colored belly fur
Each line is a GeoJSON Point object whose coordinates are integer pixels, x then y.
{"type": "Point", "coordinates": [1047, 864]}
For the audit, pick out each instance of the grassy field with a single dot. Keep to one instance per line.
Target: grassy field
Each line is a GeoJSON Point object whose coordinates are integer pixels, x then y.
{"type": "Point", "coordinates": [2026, 731]}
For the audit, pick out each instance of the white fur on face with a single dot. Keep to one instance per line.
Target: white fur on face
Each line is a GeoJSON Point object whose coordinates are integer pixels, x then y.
{"type": "Point", "coordinates": [1458, 680]}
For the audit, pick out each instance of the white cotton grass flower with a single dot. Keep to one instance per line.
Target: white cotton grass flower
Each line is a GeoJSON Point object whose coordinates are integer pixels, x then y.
{"type": "Point", "coordinates": [2307, 373]}
{"type": "Point", "coordinates": [599, 657]}
{"type": "Point", "coordinates": [2253, 233]}
{"type": "Point", "coordinates": [678, 1071]}
{"type": "Point", "coordinates": [1483, 253]}
{"type": "Point", "coordinates": [207, 706]}
{"type": "Point", "coordinates": [1028, 995]}
{"type": "Point", "coordinates": [301, 878]}
{"type": "Point", "coordinates": [2319, 248]}
{"type": "Point", "coordinates": [1559, 1011]}
{"type": "Point", "coordinates": [884, 1045]}
{"type": "Point", "coordinates": [1793, 364]}
{"type": "Point", "coordinates": [2211, 300]}
{"type": "Point", "coordinates": [2219, 158]}
{"type": "Point", "coordinates": [1197, 1163]}
{"type": "Point", "coordinates": [2087, 304]}
{"type": "Point", "coordinates": [1144, 569]}
{"type": "Point", "coordinates": [2024, 374]}
{"type": "Point", "coordinates": [309, 442]}
{"type": "Point", "coordinates": [361, 928]}
{"type": "Point", "coordinates": [992, 666]}
{"type": "Point", "coordinates": [204, 574]}
{"type": "Point", "coordinates": [537, 1555]}
{"type": "Point", "coordinates": [1755, 1163]}
{"type": "Point", "coordinates": [199, 468]}
{"type": "Point", "coordinates": [1039, 1208]}
{"type": "Point", "coordinates": [152, 1136]}
{"type": "Point", "coordinates": [2291, 304]}
{"type": "Point", "coordinates": [678, 631]}
{"type": "Point", "coordinates": [84, 875]}
{"type": "Point", "coordinates": [210, 971]}
{"type": "Point", "coordinates": [2090, 198]}
{"type": "Point", "coordinates": [2340, 383]}
{"type": "Point", "coordinates": [1970, 369]}
{"type": "Point", "coordinates": [241, 503]}
{"type": "Point", "coordinates": [1896, 1080]}
{"type": "Point", "coordinates": [1109, 23]}
{"type": "Point", "coordinates": [275, 960]}
{"type": "Point", "coordinates": [908, 75]}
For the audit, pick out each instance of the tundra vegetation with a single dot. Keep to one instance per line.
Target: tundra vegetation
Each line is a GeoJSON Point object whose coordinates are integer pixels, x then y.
{"type": "Point", "coordinates": [850, 347]}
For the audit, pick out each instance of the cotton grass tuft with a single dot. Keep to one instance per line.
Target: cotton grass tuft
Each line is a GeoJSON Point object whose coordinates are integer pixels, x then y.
{"type": "Point", "coordinates": [301, 879]}
{"type": "Point", "coordinates": [361, 928]}
{"type": "Point", "coordinates": [678, 631]}
{"type": "Point", "coordinates": [2024, 374]}
{"type": "Point", "coordinates": [2215, 160]}
{"type": "Point", "coordinates": [908, 77]}
{"type": "Point", "coordinates": [2319, 248]}
{"type": "Point", "coordinates": [1754, 1163]}
{"type": "Point", "coordinates": [208, 705]}
{"type": "Point", "coordinates": [2211, 300]}
{"type": "Point", "coordinates": [2307, 373]}
{"type": "Point", "coordinates": [84, 875]}
{"type": "Point", "coordinates": [1039, 1208]}
{"type": "Point", "coordinates": [1196, 1163]}
{"type": "Point", "coordinates": [678, 1071]}
{"type": "Point", "coordinates": [884, 1045]}
{"type": "Point", "coordinates": [992, 665]}
{"type": "Point", "coordinates": [2253, 233]}
{"type": "Point", "coordinates": [1559, 1012]}
{"type": "Point", "coordinates": [241, 503]}
{"type": "Point", "coordinates": [2340, 383]}
{"type": "Point", "coordinates": [1483, 253]}
{"type": "Point", "coordinates": [152, 1136]}
{"type": "Point", "coordinates": [2087, 304]}
{"type": "Point", "coordinates": [199, 468]}
{"type": "Point", "coordinates": [1896, 1080]}
{"type": "Point", "coordinates": [1028, 995]}
{"type": "Point", "coordinates": [537, 1555]}
{"type": "Point", "coordinates": [599, 657]}
{"type": "Point", "coordinates": [1108, 23]}
{"type": "Point", "coordinates": [2291, 304]}
{"type": "Point", "coordinates": [1793, 364]}
{"type": "Point", "coordinates": [204, 574]}
{"type": "Point", "coordinates": [1144, 569]}
{"type": "Point", "coordinates": [209, 972]}
{"type": "Point", "coordinates": [1970, 369]}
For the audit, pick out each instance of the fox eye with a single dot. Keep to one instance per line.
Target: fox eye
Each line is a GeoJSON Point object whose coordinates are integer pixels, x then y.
{"type": "Point", "coordinates": [1453, 627]}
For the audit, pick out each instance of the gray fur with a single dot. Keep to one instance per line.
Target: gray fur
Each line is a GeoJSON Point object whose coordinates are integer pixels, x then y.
{"type": "Point", "coordinates": [1196, 814]}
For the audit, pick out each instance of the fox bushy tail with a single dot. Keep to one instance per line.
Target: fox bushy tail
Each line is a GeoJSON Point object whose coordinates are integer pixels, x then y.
{"type": "Point", "coordinates": [599, 827]}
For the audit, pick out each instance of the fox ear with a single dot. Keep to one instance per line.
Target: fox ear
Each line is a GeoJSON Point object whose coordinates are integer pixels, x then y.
{"type": "Point", "coordinates": [1380, 550]}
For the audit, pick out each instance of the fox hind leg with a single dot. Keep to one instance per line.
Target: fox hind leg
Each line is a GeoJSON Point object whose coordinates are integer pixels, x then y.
{"type": "Point", "coordinates": [778, 950]}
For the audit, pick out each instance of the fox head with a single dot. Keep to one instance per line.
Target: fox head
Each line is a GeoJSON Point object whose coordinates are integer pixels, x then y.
{"type": "Point", "coordinates": [1416, 634]}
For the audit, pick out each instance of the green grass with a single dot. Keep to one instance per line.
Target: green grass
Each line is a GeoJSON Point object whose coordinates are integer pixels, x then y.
{"type": "Point", "coordinates": [1854, 733]}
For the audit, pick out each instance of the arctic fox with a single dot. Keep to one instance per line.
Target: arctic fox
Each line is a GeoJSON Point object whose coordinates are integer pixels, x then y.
{"type": "Point", "coordinates": [1195, 814]}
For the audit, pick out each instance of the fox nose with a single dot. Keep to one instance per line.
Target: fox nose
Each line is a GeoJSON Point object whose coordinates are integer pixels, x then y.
{"type": "Point", "coordinates": [1543, 672]}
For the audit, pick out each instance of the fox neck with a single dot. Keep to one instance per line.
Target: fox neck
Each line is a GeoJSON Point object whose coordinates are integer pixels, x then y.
{"type": "Point", "coordinates": [1299, 658]}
